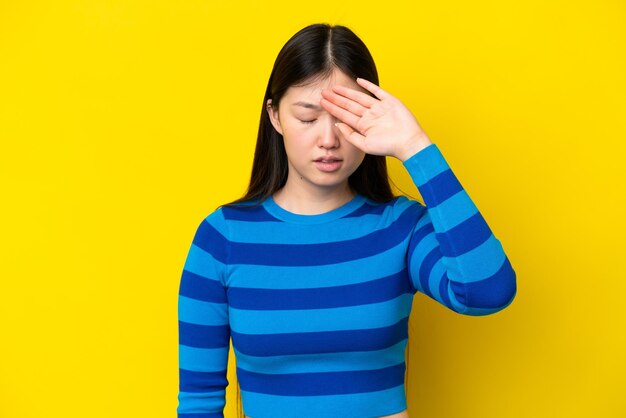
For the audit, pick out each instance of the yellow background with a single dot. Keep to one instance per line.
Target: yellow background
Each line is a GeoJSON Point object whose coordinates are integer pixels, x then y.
{"type": "Point", "coordinates": [123, 123]}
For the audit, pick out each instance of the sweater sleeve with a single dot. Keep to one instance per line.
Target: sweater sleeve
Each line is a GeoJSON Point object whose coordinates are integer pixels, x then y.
{"type": "Point", "coordinates": [203, 325]}
{"type": "Point", "coordinates": [453, 256]}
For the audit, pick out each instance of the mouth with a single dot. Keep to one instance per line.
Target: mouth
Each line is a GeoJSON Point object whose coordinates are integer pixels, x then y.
{"type": "Point", "coordinates": [328, 164]}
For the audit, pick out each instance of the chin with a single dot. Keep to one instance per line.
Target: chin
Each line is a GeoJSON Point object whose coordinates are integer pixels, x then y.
{"type": "Point", "coordinates": [330, 184]}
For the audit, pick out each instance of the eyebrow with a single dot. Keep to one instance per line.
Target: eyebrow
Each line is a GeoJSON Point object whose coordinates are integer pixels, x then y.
{"type": "Point", "coordinates": [307, 105]}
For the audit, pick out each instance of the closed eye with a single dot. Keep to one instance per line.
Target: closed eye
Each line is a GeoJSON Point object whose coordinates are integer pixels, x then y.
{"type": "Point", "coordinates": [307, 121]}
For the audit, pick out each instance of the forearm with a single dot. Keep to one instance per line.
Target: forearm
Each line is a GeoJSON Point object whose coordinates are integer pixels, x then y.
{"type": "Point", "coordinates": [455, 258]}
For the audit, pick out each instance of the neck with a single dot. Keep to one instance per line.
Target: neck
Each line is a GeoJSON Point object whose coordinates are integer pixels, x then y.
{"type": "Point", "coordinates": [313, 200]}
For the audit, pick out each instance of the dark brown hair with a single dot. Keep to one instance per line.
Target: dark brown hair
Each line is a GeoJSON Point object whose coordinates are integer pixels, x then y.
{"type": "Point", "coordinates": [312, 54]}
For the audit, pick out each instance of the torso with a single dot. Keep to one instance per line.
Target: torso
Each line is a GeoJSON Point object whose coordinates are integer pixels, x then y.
{"type": "Point", "coordinates": [403, 414]}
{"type": "Point", "coordinates": [291, 269]}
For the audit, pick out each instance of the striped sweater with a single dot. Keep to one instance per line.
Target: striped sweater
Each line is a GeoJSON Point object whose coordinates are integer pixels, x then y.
{"type": "Point", "coordinates": [317, 306]}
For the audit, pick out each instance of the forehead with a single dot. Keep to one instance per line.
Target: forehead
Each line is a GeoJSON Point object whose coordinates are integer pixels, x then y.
{"type": "Point", "coordinates": [312, 90]}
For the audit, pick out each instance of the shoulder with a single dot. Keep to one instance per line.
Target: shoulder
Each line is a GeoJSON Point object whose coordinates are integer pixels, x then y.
{"type": "Point", "coordinates": [390, 211]}
{"type": "Point", "coordinates": [402, 202]}
{"type": "Point", "coordinates": [406, 211]}
{"type": "Point", "coordinates": [403, 205]}
{"type": "Point", "coordinates": [212, 226]}
{"type": "Point", "coordinates": [228, 216]}
{"type": "Point", "coordinates": [251, 211]}
{"type": "Point", "coordinates": [397, 203]}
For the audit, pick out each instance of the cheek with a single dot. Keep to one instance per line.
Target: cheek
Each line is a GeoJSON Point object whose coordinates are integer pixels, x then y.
{"type": "Point", "coordinates": [358, 159]}
{"type": "Point", "coordinates": [355, 153]}
{"type": "Point", "coordinates": [295, 130]}
{"type": "Point", "coordinates": [299, 137]}
{"type": "Point", "coordinates": [296, 146]}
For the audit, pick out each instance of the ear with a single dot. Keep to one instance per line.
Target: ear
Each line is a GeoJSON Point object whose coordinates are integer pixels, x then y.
{"type": "Point", "coordinates": [273, 113]}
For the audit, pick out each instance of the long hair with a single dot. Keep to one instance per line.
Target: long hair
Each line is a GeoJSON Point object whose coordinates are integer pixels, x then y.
{"type": "Point", "coordinates": [312, 54]}
{"type": "Point", "coordinates": [309, 55]}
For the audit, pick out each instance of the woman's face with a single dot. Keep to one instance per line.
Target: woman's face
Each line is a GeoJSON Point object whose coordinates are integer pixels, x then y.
{"type": "Point", "coordinates": [309, 134]}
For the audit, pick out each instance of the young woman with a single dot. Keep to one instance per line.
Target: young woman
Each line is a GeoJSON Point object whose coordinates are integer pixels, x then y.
{"type": "Point", "coordinates": [312, 273]}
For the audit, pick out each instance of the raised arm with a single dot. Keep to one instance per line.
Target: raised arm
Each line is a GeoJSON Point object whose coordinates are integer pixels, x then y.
{"type": "Point", "coordinates": [453, 255]}
{"type": "Point", "coordinates": [204, 331]}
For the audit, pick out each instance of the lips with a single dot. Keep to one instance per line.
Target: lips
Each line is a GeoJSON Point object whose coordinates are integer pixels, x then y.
{"type": "Point", "coordinates": [328, 164]}
{"type": "Point", "coordinates": [328, 159]}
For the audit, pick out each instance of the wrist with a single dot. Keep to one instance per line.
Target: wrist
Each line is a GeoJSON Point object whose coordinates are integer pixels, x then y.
{"type": "Point", "coordinates": [413, 147]}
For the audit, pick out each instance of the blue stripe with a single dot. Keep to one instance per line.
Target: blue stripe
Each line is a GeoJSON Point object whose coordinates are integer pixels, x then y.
{"type": "Point", "coordinates": [369, 404]}
{"type": "Point", "coordinates": [425, 164]}
{"type": "Point", "coordinates": [212, 241]}
{"type": "Point", "coordinates": [298, 277]}
{"type": "Point", "coordinates": [295, 233]}
{"type": "Point", "coordinates": [422, 237]}
{"type": "Point", "coordinates": [492, 292]}
{"type": "Point", "coordinates": [443, 296]}
{"type": "Point", "coordinates": [477, 264]}
{"type": "Point", "coordinates": [203, 336]}
{"type": "Point", "coordinates": [201, 288]}
{"type": "Point", "coordinates": [453, 210]}
{"type": "Point", "coordinates": [202, 359]}
{"type": "Point", "coordinates": [369, 209]}
{"type": "Point", "coordinates": [372, 291]}
{"type": "Point", "coordinates": [201, 415]}
{"type": "Point", "coordinates": [329, 252]}
{"type": "Point", "coordinates": [203, 264]}
{"type": "Point", "coordinates": [425, 270]}
{"type": "Point", "coordinates": [323, 383]}
{"type": "Point", "coordinates": [248, 214]}
{"type": "Point", "coordinates": [373, 315]}
{"type": "Point", "coordinates": [337, 361]}
{"type": "Point", "coordinates": [440, 188]}
{"type": "Point", "coordinates": [288, 232]}
{"type": "Point", "coordinates": [198, 312]}
{"type": "Point", "coordinates": [464, 237]}
{"type": "Point", "coordinates": [459, 290]}
{"type": "Point", "coordinates": [417, 237]}
{"type": "Point", "coordinates": [468, 310]}
{"type": "Point", "coordinates": [191, 381]}
{"type": "Point", "coordinates": [321, 341]}
{"type": "Point", "coordinates": [201, 404]}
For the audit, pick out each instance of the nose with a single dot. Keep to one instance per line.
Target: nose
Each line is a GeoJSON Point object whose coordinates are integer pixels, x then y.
{"type": "Point", "coordinates": [329, 135]}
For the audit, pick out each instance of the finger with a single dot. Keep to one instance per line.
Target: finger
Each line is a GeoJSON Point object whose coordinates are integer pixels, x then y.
{"type": "Point", "coordinates": [352, 136]}
{"type": "Point", "coordinates": [368, 85]}
{"type": "Point", "coordinates": [344, 102]}
{"type": "Point", "coordinates": [340, 113]}
{"type": "Point", "coordinates": [358, 96]}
